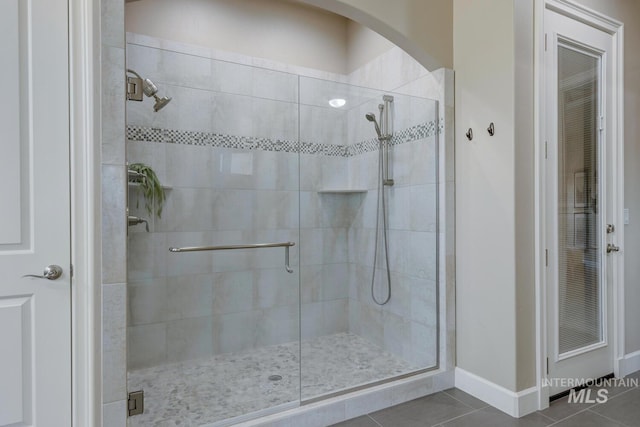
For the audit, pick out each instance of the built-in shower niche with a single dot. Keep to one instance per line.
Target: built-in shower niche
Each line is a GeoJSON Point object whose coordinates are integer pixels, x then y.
{"type": "Point", "coordinates": [257, 155]}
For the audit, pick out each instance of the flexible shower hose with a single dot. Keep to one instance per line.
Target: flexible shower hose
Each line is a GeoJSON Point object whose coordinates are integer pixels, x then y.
{"type": "Point", "coordinates": [381, 196]}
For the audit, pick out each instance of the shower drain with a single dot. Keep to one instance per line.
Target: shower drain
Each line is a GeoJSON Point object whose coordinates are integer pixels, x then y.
{"type": "Point", "coordinates": [275, 377]}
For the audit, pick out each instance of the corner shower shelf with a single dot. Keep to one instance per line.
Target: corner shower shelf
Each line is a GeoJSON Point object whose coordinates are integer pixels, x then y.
{"type": "Point", "coordinates": [134, 177]}
{"type": "Point", "coordinates": [342, 191]}
{"type": "Point", "coordinates": [137, 184]}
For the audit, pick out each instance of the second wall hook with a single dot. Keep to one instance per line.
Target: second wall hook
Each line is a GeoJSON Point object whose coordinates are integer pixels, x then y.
{"type": "Point", "coordinates": [491, 129]}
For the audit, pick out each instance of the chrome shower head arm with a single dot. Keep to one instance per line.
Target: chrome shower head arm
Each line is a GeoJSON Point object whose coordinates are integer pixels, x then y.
{"type": "Point", "coordinates": [148, 88]}
{"type": "Point", "coordinates": [129, 70]}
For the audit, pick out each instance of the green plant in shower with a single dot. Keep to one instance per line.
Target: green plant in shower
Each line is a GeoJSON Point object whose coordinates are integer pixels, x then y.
{"type": "Point", "coordinates": [150, 187]}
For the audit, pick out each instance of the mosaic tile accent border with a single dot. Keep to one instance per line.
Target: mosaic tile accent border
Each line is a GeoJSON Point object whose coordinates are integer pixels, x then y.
{"type": "Point", "coordinates": [174, 136]}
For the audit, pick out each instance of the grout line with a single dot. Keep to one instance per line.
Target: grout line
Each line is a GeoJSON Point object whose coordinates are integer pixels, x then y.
{"type": "Point", "coordinates": [374, 420]}
{"type": "Point", "coordinates": [607, 418]}
{"type": "Point", "coordinates": [570, 416]}
{"type": "Point", "coordinates": [455, 418]}
{"type": "Point", "coordinates": [616, 395]}
{"type": "Point", "coordinates": [464, 403]}
{"type": "Point", "coordinates": [545, 416]}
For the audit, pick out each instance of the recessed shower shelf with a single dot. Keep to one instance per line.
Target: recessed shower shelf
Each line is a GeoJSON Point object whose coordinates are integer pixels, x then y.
{"type": "Point", "coordinates": [342, 191]}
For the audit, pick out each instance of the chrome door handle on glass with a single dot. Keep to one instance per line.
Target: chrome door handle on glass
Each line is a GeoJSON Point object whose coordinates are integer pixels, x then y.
{"type": "Point", "coordinates": [612, 248]}
{"type": "Point", "coordinates": [51, 272]}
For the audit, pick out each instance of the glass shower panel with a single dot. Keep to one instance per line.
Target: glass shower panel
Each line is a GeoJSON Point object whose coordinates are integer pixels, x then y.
{"type": "Point", "coordinates": [347, 339]}
{"type": "Point", "coordinates": [214, 334]}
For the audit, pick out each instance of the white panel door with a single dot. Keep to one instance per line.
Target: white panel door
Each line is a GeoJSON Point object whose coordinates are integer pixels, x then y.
{"type": "Point", "coordinates": [35, 313]}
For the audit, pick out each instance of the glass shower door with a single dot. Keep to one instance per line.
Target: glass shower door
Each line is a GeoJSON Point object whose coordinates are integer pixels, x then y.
{"type": "Point", "coordinates": [213, 329]}
{"type": "Point", "coordinates": [369, 309]}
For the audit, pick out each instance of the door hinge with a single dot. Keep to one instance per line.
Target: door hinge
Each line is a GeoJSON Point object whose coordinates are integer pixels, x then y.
{"type": "Point", "coordinates": [71, 270]}
{"type": "Point", "coordinates": [546, 144]}
{"type": "Point", "coordinates": [601, 122]}
{"type": "Point", "coordinates": [135, 403]}
{"type": "Point", "coordinates": [545, 42]}
{"type": "Point", "coordinates": [547, 366]}
{"type": "Point", "coordinates": [546, 257]}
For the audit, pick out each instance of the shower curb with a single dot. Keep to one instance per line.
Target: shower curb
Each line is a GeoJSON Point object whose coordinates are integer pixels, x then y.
{"type": "Point", "coordinates": [351, 405]}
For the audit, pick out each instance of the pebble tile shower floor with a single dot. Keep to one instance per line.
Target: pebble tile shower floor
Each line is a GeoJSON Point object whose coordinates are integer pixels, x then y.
{"type": "Point", "coordinates": [204, 391]}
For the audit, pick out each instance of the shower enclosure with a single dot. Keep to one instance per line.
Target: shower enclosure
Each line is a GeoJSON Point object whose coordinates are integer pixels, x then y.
{"type": "Point", "coordinates": [259, 158]}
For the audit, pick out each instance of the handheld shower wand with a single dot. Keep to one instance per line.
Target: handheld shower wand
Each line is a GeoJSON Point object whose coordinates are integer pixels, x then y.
{"type": "Point", "coordinates": [384, 140]}
{"type": "Point", "coordinates": [372, 118]}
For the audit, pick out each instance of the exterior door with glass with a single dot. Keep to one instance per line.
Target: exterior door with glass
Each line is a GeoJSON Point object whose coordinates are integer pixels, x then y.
{"type": "Point", "coordinates": [579, 177]}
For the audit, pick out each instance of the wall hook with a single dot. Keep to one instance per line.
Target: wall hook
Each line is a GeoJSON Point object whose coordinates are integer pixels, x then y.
{"type": "Point", "coordinates": [491, 129]}
{"type": "Point", "coordinates": [469, 134]}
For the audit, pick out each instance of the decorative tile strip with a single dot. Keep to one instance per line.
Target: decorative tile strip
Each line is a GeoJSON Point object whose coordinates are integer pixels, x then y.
{"type": "Point", "coordinates": [174, 136]}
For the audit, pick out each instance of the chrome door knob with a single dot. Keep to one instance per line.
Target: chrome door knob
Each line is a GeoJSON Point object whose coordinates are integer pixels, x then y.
{"type": "Point", "coordinates": [612, 248]}
{"type": "Point", "coordinates": [51, 272]}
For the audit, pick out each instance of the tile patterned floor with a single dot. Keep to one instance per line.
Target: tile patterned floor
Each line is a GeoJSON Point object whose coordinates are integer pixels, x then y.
{"type": "Point", "coordinates": [204, 391]}
{"type": "Point", "coordinates": [454, 408]}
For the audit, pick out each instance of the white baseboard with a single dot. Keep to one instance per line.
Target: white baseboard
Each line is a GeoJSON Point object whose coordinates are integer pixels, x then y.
{"type": "Point", "coordinates": [516, 404]}
{"type": "Point", "coordinates": [629, 364]}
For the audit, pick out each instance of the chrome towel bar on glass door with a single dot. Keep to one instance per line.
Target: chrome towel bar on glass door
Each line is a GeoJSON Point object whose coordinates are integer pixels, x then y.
{"type": "Point", "coordinates": [285, 245]}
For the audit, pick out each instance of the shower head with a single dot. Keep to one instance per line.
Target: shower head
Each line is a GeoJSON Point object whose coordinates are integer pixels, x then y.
{"type": "Point", "coordinates": [150, 89]}
{"type": "Point", "coordinates": [160, 102]}
{"type": "Point", "coordinates": [137, 86]}
{"type": "Point", "coordinates": [372, 118]}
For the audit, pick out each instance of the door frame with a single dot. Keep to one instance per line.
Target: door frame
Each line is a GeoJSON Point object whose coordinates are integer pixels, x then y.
{"type": "Point", "coordinates": [85, 185]}
{"type": "Point", "coordinates": [614, 28]}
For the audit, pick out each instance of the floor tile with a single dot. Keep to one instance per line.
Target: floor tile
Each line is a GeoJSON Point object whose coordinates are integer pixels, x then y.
{"type": "Point", "coordinates": [466, 398]}
{"type": "Point", "coordinates": [624, 408]}
{"type": "Point", "coordinates": [635, 375]}
{"type": "Point", "coordinates": [492, 417]}
{"type": "Point", "coordinates": [561, 409]}
{"type": "Point", "coordinates": [358, 422]}
{"type": "Point", "coordinates": [588, 419]}
{"type": "Point", "coordinates": [614, 390]}
{"type": "Point", "coordinates": [427, 411]}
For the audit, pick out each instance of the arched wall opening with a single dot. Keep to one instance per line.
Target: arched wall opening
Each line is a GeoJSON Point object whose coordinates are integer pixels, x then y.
{"type": "Point", "coordinates": [423, 29]}
{"type": "Point", "coordinates": [427, 35]}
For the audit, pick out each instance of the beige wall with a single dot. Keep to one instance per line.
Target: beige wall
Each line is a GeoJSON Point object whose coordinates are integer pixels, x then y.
{"type": "Point", "coordinates": [279, 30]}
{"type": "Point", "coordinates": [524, 197]}
{"type": "Point", "coordinates": [484, 58]}
{"type": "Point", "coordinates": [363, 45]}
{"type": "Point", "coordinates": [422, 27]}
{"type": "Point", "coordinates": [495, 271]}
{"type": "Point", "coordinates": [628, 12]}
